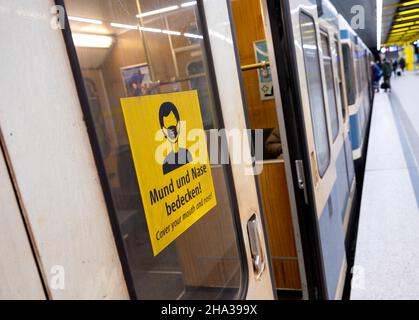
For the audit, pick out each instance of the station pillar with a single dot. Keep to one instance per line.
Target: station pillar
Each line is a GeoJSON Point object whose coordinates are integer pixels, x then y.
{"type": "Point", "coordinates": [409, 51]}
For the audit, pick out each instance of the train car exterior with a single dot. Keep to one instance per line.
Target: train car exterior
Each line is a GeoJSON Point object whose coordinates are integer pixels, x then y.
{"type": "Point", "coordinates": [357, 58]}
{"type": "Point", "coordinates": [345, 188]}
{"type": "Point", "coordinates": [316, 56]}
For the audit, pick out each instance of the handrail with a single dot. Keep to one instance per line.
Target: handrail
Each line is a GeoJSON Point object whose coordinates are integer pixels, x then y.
{"type": "Point", "coordinates": [261, 65]}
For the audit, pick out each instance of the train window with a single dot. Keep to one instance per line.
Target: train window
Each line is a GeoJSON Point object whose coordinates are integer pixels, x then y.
{"type": "Point", "coordinates": [130, 48]}
{"type": "Point", "coordinates": [364, 68]}
{"type": "Point", "coordinates": [349, 74]}
{"type": "Point", "coordinates": [340, 78]}
{"type": "Point", "coordinates": [315, 91]}
{"type": "Point", "coordinates": [359, 71]}
{"type": "Point", "coordinates": [330, 83]}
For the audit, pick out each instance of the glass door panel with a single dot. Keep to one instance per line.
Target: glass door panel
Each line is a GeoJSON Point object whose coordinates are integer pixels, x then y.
{"type": "Point", "coordinates": [130, 48]}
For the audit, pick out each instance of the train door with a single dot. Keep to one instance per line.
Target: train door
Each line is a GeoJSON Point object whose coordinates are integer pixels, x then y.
{"type": "Point", "coordinates": [260, 108]}
{"type": "Point", "coordinates": [19, 277]}
{"type": "Point", "coordinates": [301, 79]}
{"type": "Point", "coordinates": [318, 130]}
{"type": "Point", "coordinates": [148, 53]}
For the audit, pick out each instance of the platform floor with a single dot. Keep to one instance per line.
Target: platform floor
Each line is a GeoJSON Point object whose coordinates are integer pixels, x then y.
{"type": "Point", "coordinates": [387, 254]}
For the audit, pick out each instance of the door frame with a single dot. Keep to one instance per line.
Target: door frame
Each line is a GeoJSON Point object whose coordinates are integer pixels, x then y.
{"type": "Point", "coordinates": [29, 280]}
{"type": "Point", "coordinates": [237, 90]}
{"type": "Point", "coordinates": [295, 223]}
{"type": "Point", "coordinates": [251, 287]}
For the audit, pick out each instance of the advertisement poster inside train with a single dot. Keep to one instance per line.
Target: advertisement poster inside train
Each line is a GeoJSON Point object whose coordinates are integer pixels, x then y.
{"type": "Point", "coordinates": [169, 149]}
{"type": "Point", "coordinates": [264, 74]}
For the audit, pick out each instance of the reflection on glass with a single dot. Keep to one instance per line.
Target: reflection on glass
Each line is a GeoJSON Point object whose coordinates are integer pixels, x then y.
{"type": "Point", "coordinates": [338, 63]}
{"type": "Point", "coordinates": [349, 74]}
{"type": "Point", "coordinates": [315, 91]}
{"type": "Point", "coordinates": [330, 83]}
{"type": "Point", "coordinates": [130, 48]}
{"type": "Point", "coordinates": [359, 70]}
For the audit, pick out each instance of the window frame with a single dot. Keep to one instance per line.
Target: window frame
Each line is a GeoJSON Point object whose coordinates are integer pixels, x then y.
{"type": "Point", "coordinates": [319, 61]}
{"type": "Point", "coordinates": [339, 66]}
{"type": "Point", "coordinates": [101, 169]}
{"type": "Point", "coordinates": [330, 58]}
{"type": "Point", "coordinates": [352, 72]}
{"type": "Point", "coordinates": [359, 67]}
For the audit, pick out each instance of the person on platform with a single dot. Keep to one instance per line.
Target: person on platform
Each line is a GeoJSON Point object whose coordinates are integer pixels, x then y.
{"type": "Point", "coordinates": [402, 64]}
{"type": "Point", "coordinates": [395, 66]}
{"type": "Point", "coordinates": [376, 76]}
{"type": "Point", "coordinates": [387, 72]}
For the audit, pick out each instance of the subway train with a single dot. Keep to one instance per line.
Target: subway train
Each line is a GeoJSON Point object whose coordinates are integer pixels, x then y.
{"type": "Point", "coordinates": [91, 82]}
{"type": "Point", "coordinates": [357, 63]}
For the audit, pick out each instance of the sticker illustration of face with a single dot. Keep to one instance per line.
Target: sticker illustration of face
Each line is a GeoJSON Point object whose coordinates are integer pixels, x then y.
{"type": "Point", "coordinates": [171, 128]}
{"type": "Point", "coordinates": [169, 122]}
{"type": "Point", "coordinates": [170, 125]}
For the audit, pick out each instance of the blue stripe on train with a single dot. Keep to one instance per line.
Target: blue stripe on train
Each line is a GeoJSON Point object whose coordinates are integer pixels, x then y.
{"type": "Point", "coordinates": [355, 132]}
{"type": "Point", "coordinates": [349, 161]}
{"type": "Point", "coordinates": [344, 34]}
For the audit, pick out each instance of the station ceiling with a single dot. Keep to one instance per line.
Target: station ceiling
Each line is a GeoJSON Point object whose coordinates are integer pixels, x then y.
{"type": "Point", "coordinates": [400, 22]}
{"type": "Point", "coordinates": [346, 7]}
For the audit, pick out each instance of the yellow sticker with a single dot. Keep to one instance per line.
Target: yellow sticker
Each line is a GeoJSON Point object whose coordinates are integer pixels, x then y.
{"type": "Point", "coordinates": [168, 145]}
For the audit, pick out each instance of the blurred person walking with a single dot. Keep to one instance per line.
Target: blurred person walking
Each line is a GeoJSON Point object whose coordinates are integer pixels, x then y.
{"type": "Point", "coordinates": [387, 71]}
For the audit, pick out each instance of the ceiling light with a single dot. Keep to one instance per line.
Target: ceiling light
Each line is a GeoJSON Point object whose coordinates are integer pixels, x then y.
{"type": "Point", "coordinates": [413, 17]}
{"type": "Point", "coordinates": [92, 40]}
{"type": "Point", "coordinates": [162, 10]}
{"type": "Point", "coordinates": [403, 25]}
{"type": "Point", "coordinates": [379, 22]}
{"type": "Point", "coordinates": [124, 26]}
{"type": "Point", "coordinates": [150, 29]}
{"type": "Point", "coordinates": [408, 11]}
{"type": "Point", "coordinates": [191, 35]}
{"type": "Point", "coordinates": [188, 4]}
{"type": "Point", "coordinates": [402, 30]}
{"type": "Point", "coordinates": [175, 33]}
{"type": "Point", "coordinates": [409, 3]}
{"type": "Point", "coordinates": [86, 20]}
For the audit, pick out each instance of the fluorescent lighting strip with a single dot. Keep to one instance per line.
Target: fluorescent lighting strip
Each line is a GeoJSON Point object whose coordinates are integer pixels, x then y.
{"type": "Point", "coordinates": [409, 3]}
{"type": "Point", "coordinates": [150, 29]}
{"type": "Point", "coordinates": [408, 12]}
{"type": "Point", "coordinates": [174, 33]}
{"type": "Point", "coordinates": [379, 22]}
{"type": "Point", "coordinates": [403, 25]}
{"type": "Point", "coordinates": [124, 26]}
{"type": "Point", "coordinates": [188, 4]}
{"type": "Point", "coordinates": [85, 20]}
{"type": "Point", "coordinates": [414, 17]}
{"type": "Point", "coordinates": [92, 40]}
{"type": "Point", "coordinates": [194, 36]}
{"type": "Point", "coordinates": [403, 31]}
{"type": "Point", "coordinates": [155, 30]}
{"type": "Point", "coordinates": [154, 12]}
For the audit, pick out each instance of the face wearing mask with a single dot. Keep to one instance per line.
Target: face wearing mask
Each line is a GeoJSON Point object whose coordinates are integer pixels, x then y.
{"type": "Point", "coordinates": [171, 128]}
{"type": "Point", "coordinates": [172, 133]}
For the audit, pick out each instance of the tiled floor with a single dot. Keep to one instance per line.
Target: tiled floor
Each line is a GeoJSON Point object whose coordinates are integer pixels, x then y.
{"type": "Point", "coordinates": [387, 255]}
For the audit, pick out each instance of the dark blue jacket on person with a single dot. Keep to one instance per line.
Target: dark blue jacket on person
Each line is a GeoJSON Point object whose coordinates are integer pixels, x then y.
{"type": "Point", "coordinates": [376, 73]}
